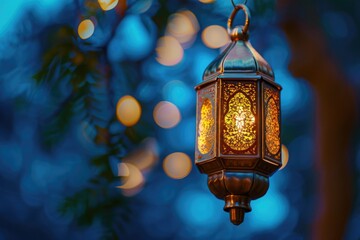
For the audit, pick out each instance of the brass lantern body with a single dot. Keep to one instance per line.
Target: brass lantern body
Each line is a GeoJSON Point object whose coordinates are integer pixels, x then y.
{"type": "Point", "coordinates": [238, 141]}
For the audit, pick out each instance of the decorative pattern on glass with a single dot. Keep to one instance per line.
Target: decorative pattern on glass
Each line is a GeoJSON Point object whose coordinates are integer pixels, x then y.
{"type": "Point", "coordinates": [272, 122]}
{"type": "Point", "coordinates": [206, 127]}
{"type": "Point", "coordinates": [240, 127]}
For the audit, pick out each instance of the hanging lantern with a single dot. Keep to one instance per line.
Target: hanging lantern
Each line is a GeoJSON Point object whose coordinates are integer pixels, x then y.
{"type": "Point", "coordinates": [238, 141]}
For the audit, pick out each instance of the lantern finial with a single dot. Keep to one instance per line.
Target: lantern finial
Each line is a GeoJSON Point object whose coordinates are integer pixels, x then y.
{"type": "Point", "coordinates": [236, 216]}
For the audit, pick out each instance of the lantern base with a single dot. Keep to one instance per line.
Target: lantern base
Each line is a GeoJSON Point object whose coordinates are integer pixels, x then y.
{"type": "Point", "coordinates": [237, 189]}
{"type": "Point", "coordinates": [237, 205]}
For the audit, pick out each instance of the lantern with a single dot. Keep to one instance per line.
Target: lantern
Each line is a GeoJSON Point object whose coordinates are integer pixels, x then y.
{"type": "Point", "coordinates": [238, 141]}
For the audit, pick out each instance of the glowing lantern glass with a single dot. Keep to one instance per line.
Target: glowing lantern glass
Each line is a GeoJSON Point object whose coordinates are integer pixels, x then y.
{"type": "Point", "coordinates": [238, 141]}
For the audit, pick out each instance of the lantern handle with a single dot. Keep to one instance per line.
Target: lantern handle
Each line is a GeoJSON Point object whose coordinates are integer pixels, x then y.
{"type": "Point", "coordinates": [232, 1]}
{"type": "Point", "coordinates": [234, 32]}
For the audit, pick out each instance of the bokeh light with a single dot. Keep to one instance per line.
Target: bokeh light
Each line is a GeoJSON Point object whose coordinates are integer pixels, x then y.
{"type": "Point", "coordinates": [145, 156]}
{"type": "Point", "coordinates": [128, 111]}
{"type": "Point", "coordinates": [123, 170]}
{"type": "Point", "coordinates": [177, 165]}
{"type": "Point", "coordinates": [86, 29]}
{"type": "Point", "coordinates": [132, 179]}
{"type": "Point", "coordinates": [207, 1]}
{"type": "Point", "coordinates": [284, 156]}
{"type": "Point", "coordinates": [107, 5]}
{"type": "Point", "coordinates": [166, 114]}
{"type": "Point", "coordinates": [183, 26]}
{"type": "Point", "coordinates": [169, 51]}
{"type": "Point", "coordinates": [215, 36]}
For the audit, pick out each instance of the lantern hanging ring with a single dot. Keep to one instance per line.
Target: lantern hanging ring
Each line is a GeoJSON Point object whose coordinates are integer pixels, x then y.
{"type": "Point", "coordinates": [239, 33]}
{"type": "Point", "coordinates": [232, 1]}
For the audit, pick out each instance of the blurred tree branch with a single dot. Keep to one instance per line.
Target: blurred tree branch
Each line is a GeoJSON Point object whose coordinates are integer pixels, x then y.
{"type": "Point", "coordinates": [312, 59]}
{"type": "Point", "coordinates": [78, 77]}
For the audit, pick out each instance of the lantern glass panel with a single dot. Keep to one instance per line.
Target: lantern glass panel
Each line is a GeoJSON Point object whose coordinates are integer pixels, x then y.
{"type": "Point", "coordinates": [206, 126]}
{"type": "Point", "coordinates": [239, 118]}
{"type": "Point", "coordinates": [272, 122]}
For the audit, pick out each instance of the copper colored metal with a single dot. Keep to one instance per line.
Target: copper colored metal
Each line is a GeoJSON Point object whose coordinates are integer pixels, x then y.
{"type": "Point", "coordinates": [239, 33]}
{"type": "Point", "coordinates": [236, 216]}
{"type": "Point", "coordinates": [238, 175]}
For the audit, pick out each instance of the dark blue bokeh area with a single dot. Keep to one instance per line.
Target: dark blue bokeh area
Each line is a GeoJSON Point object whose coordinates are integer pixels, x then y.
{"type": "Point", "coordinates": [34, 180]}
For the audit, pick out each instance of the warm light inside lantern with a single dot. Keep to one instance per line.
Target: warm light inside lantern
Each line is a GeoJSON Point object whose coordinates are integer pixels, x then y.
{"type": "Point", "coordinates": [206, 127]}
{"type": "Point", "coordinates": [272, 122]}
{"type": "Point", "coordinates": [239, 118]}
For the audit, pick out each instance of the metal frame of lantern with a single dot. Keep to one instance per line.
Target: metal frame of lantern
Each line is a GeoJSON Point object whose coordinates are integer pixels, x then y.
{"type": "Point", "coordinates": [238, 141]}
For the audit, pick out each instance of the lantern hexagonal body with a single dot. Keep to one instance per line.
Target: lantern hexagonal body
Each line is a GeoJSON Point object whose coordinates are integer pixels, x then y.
{"type": "Point", "coordinates": [238, 141]}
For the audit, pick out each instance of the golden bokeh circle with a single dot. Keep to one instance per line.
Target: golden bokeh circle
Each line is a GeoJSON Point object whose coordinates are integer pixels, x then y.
{"type": "Point", "coordinates": [177, 165]}
{"type": "Point", "coordinates": [86, 29]}
{"type": "Point", "coordinates": [128, 110]}
{"type": "Point", "coordinates": [284, 156]}
{"type": "Point", "coordinates": [166, 114]}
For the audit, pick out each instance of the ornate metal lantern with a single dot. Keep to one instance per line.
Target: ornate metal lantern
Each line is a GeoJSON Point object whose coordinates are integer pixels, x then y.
{"type": "Point", "coordinates": [238, 141]}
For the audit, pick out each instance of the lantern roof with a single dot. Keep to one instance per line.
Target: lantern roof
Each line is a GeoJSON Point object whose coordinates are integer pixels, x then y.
{"type": "Point", "coordinates": [239, 58]}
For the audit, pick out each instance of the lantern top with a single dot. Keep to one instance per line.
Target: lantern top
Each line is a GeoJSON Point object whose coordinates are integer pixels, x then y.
{"type": "Point", "coordinates": [239, 59]}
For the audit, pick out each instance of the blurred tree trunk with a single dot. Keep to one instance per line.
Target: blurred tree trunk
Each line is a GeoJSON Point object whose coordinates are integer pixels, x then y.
{"type": "Point", "coordinates": [311, 59]}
